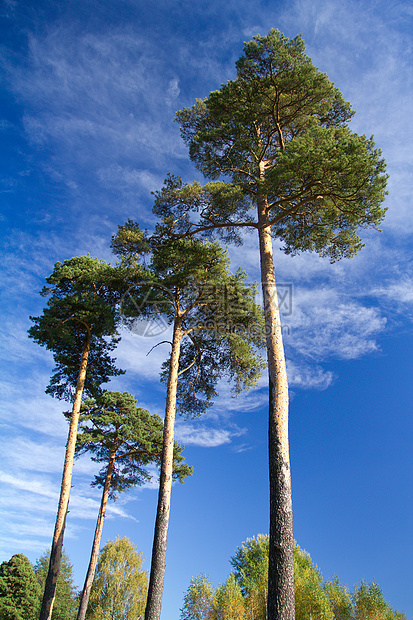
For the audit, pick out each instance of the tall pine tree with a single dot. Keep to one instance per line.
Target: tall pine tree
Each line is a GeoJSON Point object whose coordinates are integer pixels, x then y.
{"type": "Point", "coordinates": [217, 330]}
{"type": "Point", "coordinates": [79, 326]}
{"type": "Point", "coordinates": [126, 439]}
{"type": "Point", "coordinates": [278, 135]}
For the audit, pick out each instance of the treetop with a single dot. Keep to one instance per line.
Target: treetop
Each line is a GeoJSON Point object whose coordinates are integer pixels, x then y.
{"type": "Point", "coordinates": [278, 135]}
{"type": "Point", "coordinates": [84, 295]}
{"type": "Point", "coordinates": [112, 425]}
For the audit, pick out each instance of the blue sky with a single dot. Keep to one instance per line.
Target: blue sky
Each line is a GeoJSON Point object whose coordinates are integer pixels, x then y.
{"type": "Point", "coordinates": [88, 95]}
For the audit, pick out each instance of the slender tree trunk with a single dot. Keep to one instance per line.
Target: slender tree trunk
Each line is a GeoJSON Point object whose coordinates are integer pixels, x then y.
{"type": "Point", "coordinates": [57, 543]}
{"type": "Point", "coordinates": [281, 603]}
{"type": "Point", "coordinates": [84, 601]}
{"type": "Point", "coordinates": [157, 575]}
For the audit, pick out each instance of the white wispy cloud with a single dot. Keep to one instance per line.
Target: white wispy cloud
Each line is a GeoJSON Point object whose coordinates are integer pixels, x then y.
{"type": "Point", "coordinates": [30, 455]}
{"type": "Point", "coordinates": [102, 88]}
{"type": "Point", "coordinates": [28, 504]}
{"type": "Point", "coordinates": [38, 485]}
{"type": "Point", "coordinates": [11, 545]}
{"type": "Point", "coordinates": [324, 323]}
{"type": "Point", "coordinates": [305, 376]}
{"type": "Point", "coordinates": [173, 91]}
{"type": "Point", "coordinates": [130, 179]}
{"type": "Point", "coordinates": [399, 292]}
{"type": "Point", "coordinates": [28, 407]}
{"type": "Point", "coordinates": [199, 435]}
{"type": "Point", "coordinates": [143, 356]}
{"type": "Point", "coordinates": [18, 528]}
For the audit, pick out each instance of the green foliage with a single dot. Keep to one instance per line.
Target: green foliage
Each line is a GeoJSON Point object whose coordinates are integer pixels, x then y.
{"type": "Point", "coordinates": [311, 599]}
{"type": "Point", "coordinates": [113, 425]}
{"type": "Point", "coordinates": [223, 209]}
{"type": "Point", "coordinates": [225, 333]}
{"type": "Point", "coordinates": [131, 244]}
{"type": "Point", "coordinates": [279, 132]}
{"type": "Point", "coordinates": [369, 604]}
{"type": "Point", "coordinates": [244, 593]}
{"type": "Point", "coordinates": [339, 598]}
{"type": "Point", "coordinates": [19, 589]}
{"type": "Point", "coordinates": [278, 95]}
{"type": "Point", "coordinates": [229, 603]}
{"type": "Point", "coordinates": [198, 600]}
{"type": "Point", "coordinates": [222, 327]}
{"type": "Point", "coordinates": [342, 177]}
{"type": "Point", "coordinates": [250, 564]}
{"type": "Point", "coordinates": [120, 586]}
{"type": "Point", "coordinates": [65, 605]}
{"type": "Point", "coordinates": [83, 296]}
{"type": "Point", "coordinates": [201, 602]}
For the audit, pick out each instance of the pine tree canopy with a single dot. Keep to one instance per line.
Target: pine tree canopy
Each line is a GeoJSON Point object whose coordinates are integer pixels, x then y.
{"type": "Point", "coordinates": [113, 424]}
{"type": "Point", "coordinates": [278, 133]}
{"type": "Point", "coordinates": [84, 294]}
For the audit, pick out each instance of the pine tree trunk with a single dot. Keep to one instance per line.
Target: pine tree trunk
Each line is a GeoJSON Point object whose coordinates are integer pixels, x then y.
{"type": "Point", "coordinates": [157, 575]}
{"type": "Point", "coordinates": [281, 603]}
{"type": "Point", "coordinates": [84, 600]}
{"type": "Point", "coordinates": [57, 543]}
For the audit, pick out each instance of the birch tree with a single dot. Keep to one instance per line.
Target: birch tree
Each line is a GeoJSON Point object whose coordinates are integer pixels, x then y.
{"type": "Point", "coordinates": [229, 603]}
{"type": "Point", "coordinates": [198, 600]}
{"type": "Point", "coordinates": [120, 586]}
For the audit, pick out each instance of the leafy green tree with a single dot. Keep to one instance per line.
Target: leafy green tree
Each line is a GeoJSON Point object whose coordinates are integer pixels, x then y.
{"type": "Point", "coordinates": [120, 585]}
{"type": "Point", "coordinates": [250, 564]}
{"type": "Point", "coordinates": [278, 134]}
{"type": "Point", "coordinates": [186, 283]}
{"type": "Point", "coordinates": [369, 604]}
{"type": "Point", "coordinates": [198, 600]}
{"type": "Point", "coordinates": [66, 599]}
{"type": "Point", "coordinates": [79, 327]}
{"type": "Point", "coordinates": [340, 600]}
{"type": "Point", "coordinates": [19, 589]}
{"type": "Point", "coordinates": [229, 603]}
{"type": "Point", "coordinates": [313, 599]}
{"type": "Point", "coordinates": [125, 438]}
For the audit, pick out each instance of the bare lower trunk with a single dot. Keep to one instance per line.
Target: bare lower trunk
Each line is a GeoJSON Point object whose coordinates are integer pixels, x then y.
{"type": "Point", "coordinates": [156, 580]}
{"type": "Point", "coordinates": [281, 604]}
{"type": "Point", "coordinates": [57, 543]}
{"type": "Point", "coordinates": [84, 600]}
